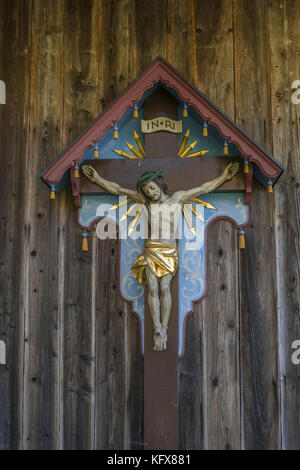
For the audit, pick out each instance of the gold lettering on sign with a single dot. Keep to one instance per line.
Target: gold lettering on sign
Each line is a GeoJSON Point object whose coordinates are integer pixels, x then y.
{"type": "Point", "coordinates": [161, 124]}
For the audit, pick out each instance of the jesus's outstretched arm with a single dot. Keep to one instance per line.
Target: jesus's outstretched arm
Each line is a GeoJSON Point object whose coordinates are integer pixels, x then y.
{"type": "Point", "coordinates": [110, 186]}
{"type": "Point", "coordinates": [209, 186]}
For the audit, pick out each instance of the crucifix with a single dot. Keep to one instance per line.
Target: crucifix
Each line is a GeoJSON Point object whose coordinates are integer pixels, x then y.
{"type": "Point", "coordinates": [187, 144]}
{"type": "Point", "coordinates": [156, 267]}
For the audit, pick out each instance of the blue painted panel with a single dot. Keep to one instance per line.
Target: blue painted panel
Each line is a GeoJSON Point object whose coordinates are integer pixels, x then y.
{"type": "Point", "coordinates": [95, 207]}
{"type": "Point", "coordinates": [192, 250]}
{"type": "Point", "coordinates": [126, 127]}
{"type": "Point", "coordinates": [192, 255]}
{"type": "Point", "coordinates": [214, 141]}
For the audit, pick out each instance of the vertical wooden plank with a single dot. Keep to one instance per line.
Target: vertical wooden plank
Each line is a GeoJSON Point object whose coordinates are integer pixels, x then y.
{"type": "Point", "coordinates": [134, 383]}
{"type": "Point", "coordinates": [180, 52]}
{"type": "Point", "coordinates": [259, 336]}
{"type": "Point", "coordinates": [215, 61]}
{"type": "Point", "coordinates": [117, 52]}
{"type": "Point", "coordinates": [221, 376]}
{"type": "Point", "coordinates": [41, 364]}
{"type": "Point", "coordinates": [150, 31]}
{"type": "Point", "coordinates": [209, 379]}
{"type": "Point", "coordinates": [81, 106]}
{"type": "Point", "coordinates": [119, 365]}
{"type": "Point", "coordinates": [181, 38]}
{"type": "Point", "coordinates": [284, 21]}
{"type": "Point", "coordinates": [15, 23]}
{"type": "Point", "coordinates": [112, 353]}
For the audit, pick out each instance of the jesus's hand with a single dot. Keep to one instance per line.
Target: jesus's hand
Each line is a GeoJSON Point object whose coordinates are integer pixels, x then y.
{"type": "Point", "coordinates": [231, 170]}
{"type": "Point", "coordinates": [90, 173]}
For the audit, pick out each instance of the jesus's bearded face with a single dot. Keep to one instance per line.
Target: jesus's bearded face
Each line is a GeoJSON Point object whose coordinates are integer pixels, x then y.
{"type": "Point", "coordinates": [152, 190]}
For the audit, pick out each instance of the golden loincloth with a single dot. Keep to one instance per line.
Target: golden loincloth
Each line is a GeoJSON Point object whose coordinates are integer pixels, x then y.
{"type": "Point", "coordinates": [160, 258]}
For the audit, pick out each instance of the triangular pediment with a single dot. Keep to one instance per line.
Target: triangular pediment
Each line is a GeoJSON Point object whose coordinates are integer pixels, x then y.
{"type": "Point", "coordinates": [119, 113]}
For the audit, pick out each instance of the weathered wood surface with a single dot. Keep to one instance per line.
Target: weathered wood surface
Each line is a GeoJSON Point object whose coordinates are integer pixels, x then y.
{"type": "Point", "coordinates": [210, 369]}
{"type": "Point", "coordinates": [74, 376]}
{"type": "Point", "coordinates": [284, 33]}
{"type": "Point", "coordinates": [259, 338]}
{"type": "Point", "coordinates": [15, 20]}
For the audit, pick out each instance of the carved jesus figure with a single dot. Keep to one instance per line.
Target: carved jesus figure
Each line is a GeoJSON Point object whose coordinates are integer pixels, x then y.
{"type": "Point", "coordinates": [157, 265]}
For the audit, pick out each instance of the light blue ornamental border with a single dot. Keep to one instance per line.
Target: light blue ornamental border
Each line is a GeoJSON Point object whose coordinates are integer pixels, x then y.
{"type": "Point", "coordinates": [98, 206]}
{"type": "Point", "coordinates": [192, 249]}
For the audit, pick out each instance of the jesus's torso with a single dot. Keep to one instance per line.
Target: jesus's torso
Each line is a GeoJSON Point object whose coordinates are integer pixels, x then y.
{"type": "Point", "coordinates": [163, 219]}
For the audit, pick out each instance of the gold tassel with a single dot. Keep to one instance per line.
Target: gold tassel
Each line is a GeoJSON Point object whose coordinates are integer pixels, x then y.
{"type": "Point", "coordinates": [185, 111]}
{"type": "Point", "coordinates": [52, 194]}
{"type": "Point", "coordinates": [242, 244]}
{"type": "Point", "coordinates": [76, 172]}
{"type": "Point", "coordinates": [205, 129]}
{"type": "Point", "coordinates": [246, 167]}
{"type": "Point", "coordinates": [116, 132]}
{"type": "Point", "coordinates": [135, 112]}
{"type": "Point", "coordinates": [84, 242]}
{"type": "Point", "coordinates": [225, 147]}
{"type": "Point", "coordinates": [270, 187]}
{"type": "Point", "coordinates": [96, 151]}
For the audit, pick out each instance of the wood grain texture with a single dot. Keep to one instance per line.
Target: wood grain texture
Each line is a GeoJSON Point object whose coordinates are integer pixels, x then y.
{"type": "Point", "coordinates": [284, 61]}
{"type": "Point", "coordinates": [118, 382]}
{"type": "Point", "coordinates": [206, 422]}
{"type": "Point", "coordinates": [258, 316]}
{"type": "Point", "coordinates": [119, 365]}
{"type": "Point", "coordinates": [81, 105]}
{"type": "Point", "coordinates": [150, 31]}
{"type": "Point", "coordinates": [15, 43]}
{"type": "Point", "coordinates": [221, 375]}
{"type": "Point", "coordinates": [42, 236]}
{"type": "Point", "coordinates": [74, 376]}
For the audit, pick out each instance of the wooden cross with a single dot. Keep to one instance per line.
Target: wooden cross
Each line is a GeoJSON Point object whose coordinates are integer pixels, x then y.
{"type": "Point", "coordinates": [161, 398]}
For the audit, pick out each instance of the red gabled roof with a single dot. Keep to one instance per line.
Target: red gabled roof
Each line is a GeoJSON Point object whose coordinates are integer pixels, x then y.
{"type": "Point", "coordinates": [162, 71]}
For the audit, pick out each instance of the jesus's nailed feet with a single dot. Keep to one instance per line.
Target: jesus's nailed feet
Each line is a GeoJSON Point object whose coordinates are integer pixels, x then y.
{"type": "Point", "coordinates": [160, 339]}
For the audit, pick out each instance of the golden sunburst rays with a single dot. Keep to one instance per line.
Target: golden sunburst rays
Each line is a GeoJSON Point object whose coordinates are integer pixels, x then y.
{"type": "Point", "coordinates": [120, 204]}
{"type": "Point", "coordinates": [137, 206]}
{"type": "Point", "coordinates": [137, 153]}
{"type": "Point", "coordinates": [188, 219]}
{"type": "Point", "coordinates": [139, 143]}
{"type": "Point", "coordinates": [133, 224]}
{"type": "Point", "coordinates": [188, 205]}
{"type": "Point", "coordinates": [184, 152]}
{"type": "Point", "coordinates": [202, 203]}
{"type": "Point", "coordinates": [128, 212]}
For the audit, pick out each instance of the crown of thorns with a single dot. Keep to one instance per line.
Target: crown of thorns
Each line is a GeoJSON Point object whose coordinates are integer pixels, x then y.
{"type": "Point", "coordinates": [149, 176]}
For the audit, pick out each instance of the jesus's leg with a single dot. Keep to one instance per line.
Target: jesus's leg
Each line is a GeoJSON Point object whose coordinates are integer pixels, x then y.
{"type": "Point", "coordinates": [166, 302]}
{"type": "Point", "coordinates": [154, 307]}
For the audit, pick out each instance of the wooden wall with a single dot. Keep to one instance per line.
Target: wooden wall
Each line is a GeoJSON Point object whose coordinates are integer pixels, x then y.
{"type": "Point", "coordinates": [74, 376]}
